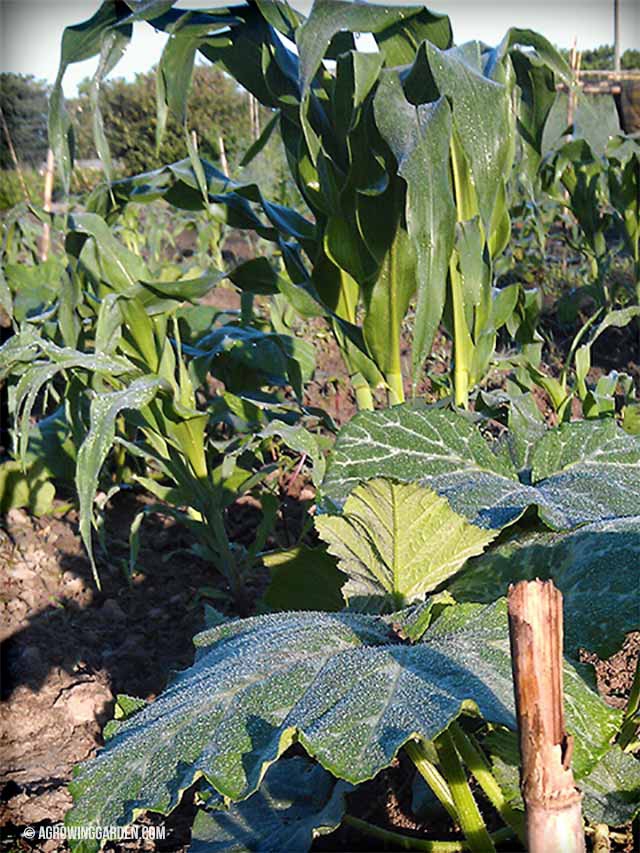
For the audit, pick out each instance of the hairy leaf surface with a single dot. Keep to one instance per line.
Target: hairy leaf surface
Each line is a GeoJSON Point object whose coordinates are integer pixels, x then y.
{"type": "Point", "coordinates": [343, 684]}
{"type": "Point", "coordinates": [597, 568]}
{"type": "Point", "coordinates": [582, 472]}
{"type": "Point", "coordinates": [297, 802]}
{"type": "Point", "coordinates": [398, 541]}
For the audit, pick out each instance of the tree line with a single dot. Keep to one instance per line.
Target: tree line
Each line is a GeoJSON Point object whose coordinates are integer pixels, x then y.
{"type": "Point", "coordinates": [216, 108]}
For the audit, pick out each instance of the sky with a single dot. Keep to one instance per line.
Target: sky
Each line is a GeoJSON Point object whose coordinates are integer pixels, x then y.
{"type": "Point", "coordinates": [30, 30]}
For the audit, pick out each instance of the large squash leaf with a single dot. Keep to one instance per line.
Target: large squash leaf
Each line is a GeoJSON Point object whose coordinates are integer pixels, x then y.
{"type": "Point", "coordinates": [597, 568]}
{"type": "Point", "coordinates": [581, 472]}
{"type": "Point", "coordinates": [296, 802]}
{"type": "Point", "coordinates": [344, 685]}
{"type": "Point", "coordinates": [612, 789]}
{"type": "Point", "coordinates": [398, 541]}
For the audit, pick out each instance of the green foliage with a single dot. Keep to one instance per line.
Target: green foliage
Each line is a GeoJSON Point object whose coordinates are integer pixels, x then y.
{"type": "Point", "coordinates": [214, 106]}
{"type": "Point", "coordinates": [343, 685]}
{"type": "Point", "coordinates": [303, 579]}
{"type": "Point", "coordinates": [579, 564]}
{"type": "Point", "coordinates": [350, 688]}
{"type": "Point", "coordinates": [297, 802]}
{"type": "Point", "coordinates": [396, 542]}
{"type": "Point", "coordinates": [384, 227]}
{"type": "Point", "coordinates": [23, 101]}
{"type": "Point", "coordinates": [402, 162]}
{"type": "Point", "coordinates": [579, 473]}
{"type": "Point", "coordinates": [597, 401]}
{"type": "Point", "coordinates": [601, 192]}
{"type": "Point", "coordinates": [131, 385]}
{"type": "Point", "coordinates": [11, 191]}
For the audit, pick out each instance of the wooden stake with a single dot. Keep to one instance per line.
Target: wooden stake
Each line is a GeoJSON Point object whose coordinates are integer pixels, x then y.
{"type": "Point", "coordinates": [553, 803]}
{"type": "Point", "coordinates": [223, 156]}
{"type": "Point", "coordinates": [45, 242]}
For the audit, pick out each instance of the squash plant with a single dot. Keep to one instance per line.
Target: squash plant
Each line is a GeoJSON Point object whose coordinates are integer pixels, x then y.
{"type": "Point", "coordinates": [401, 155]}
{"type": "Point", "coordinates": [422, 491]}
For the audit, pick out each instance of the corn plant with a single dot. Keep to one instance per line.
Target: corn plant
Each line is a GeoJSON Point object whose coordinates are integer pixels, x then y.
{"type": "Point", "coordinates": [411, 495]}
{"type": "Point", "coordinates": [406, 187]}
{"type": "Point", "coordinates": [600, 191]}
{"type": "Point", "coordinates": [127, 380]}
{"type": "Point", "coordinates": [598, 401]}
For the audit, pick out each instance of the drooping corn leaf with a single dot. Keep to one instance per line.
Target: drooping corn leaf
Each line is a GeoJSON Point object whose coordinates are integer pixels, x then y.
{"type": "Point", "coordinates": [582, 472]}
{"type": "Point", "coordinates": [419, 139]}
{"type": "Point", "coordinates": [105, 257]}
{"type": "Point", "coordinates": [345, 685]}
{"type": "Point", "coordinates": [80, 42]}
{"type": "Point", "coordinates": [297, 802]}
{"type": "Point", "coordinates": [39, 374]}
{"type": "Point", "coordinates": [113, 45]}
{"type": "Point", "coordinates": [398, 541]}
{"type": "Point", "coordinates": [597, 568]}
{"type": "Point", "coordinates": [488, 144]}
{"type": "Point", "coordinates": [392, 26]}
{"type": "Point", "coordinates": [105, 408]}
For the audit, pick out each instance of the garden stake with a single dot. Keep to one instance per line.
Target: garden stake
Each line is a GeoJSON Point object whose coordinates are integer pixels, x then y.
{"type": "Point", "coordinates": [553, 804]}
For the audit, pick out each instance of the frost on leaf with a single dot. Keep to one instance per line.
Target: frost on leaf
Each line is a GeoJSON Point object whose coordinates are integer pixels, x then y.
{"type": "Point", "coordinates": [297, 801]}
{"type": "Point", "coordinates": [344, 685]}
{"type": "Point", "coordinates": [597, 569]}
{"type": "Point", "coordinates": [581, 472]}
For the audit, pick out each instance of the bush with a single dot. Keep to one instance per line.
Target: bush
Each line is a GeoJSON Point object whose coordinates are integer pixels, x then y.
{"type": "Point", "coordinates": [11, 191]}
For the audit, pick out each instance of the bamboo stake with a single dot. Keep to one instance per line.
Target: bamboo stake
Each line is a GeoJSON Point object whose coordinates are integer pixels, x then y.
{"type": "Point", "coordinates": [45, 242]}
{"type": "Point", "coordinates": [553, 803]}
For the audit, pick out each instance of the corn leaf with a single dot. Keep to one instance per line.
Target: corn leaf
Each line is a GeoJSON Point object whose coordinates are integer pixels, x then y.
{"type": "Point", "coordinates": [105, 408]}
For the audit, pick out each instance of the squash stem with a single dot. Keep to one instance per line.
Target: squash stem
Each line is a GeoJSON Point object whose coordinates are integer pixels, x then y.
{"type": "Point", "coordinates": [472, 755]}
{"type": "Point", "coordinates": [408, 842]}
{"type": "Point", "coordinates": [471, 821]}
{"type": "Point", "coordinates": [426, 768]}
